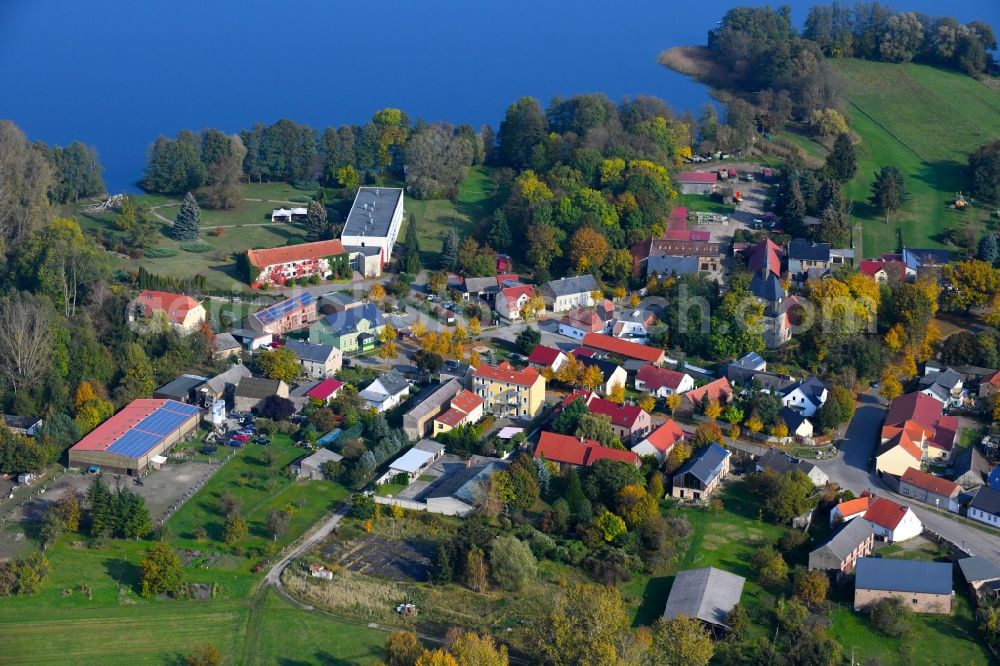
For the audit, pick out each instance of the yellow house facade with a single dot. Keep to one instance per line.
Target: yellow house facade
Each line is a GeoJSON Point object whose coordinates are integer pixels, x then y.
{"type": "Point", "coordinates": [507, 392]}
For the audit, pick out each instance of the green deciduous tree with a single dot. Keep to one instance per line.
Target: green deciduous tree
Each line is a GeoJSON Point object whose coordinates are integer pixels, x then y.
{"type": "Point", "coordinates": [160, 570]}
{"type": "Point", "coordinates": [280, 364]}
{"type": "Point", "coordinates": [235, 530]}
{"type": "Point", "coordinates": [984, 171]}
{"type": "Point", "coordinates": [528, 339]}
{"type": "Point", "coordinates": [512, 562]}
{"type": "Point", "coordinates": [680, 641]}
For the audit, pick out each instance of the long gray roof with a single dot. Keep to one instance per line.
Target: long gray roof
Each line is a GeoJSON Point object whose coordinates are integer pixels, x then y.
{"type": "Point", "coordinates": [707, 594]}
{"type": "Point", "coordinates": [232, 376]}
{"type": "Point", "coordinates": [257, 387]}
{"type": "Point", "coordinates": [573, 285]}
{"type": "Point", "coordinates": [878, 573]}
{"type": "Point", "coordinates": [434, 397]}
{"type": "Point", "coordinates": [371, 213]}
{"type": "Point", "coordinates": [847, 539]}
{"type": "Point", "coordinates": [979, 568]}
{"type": "Point", "coordinates": [308, 351]}
{"type": "Point", "coordinates": [705, 465]}
{"type": "Point", "coordinates": [781, 462]}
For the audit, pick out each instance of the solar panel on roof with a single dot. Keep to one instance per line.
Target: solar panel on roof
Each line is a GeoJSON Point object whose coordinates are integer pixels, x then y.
{"type": "Point", "coordinates": [274, 312]}
{"type": "Point", "coordinates": [161, 422]}
{"type": "Point", "coordinates": [189, 410]}
{"type": "Point", "coordinates": [134, 443]}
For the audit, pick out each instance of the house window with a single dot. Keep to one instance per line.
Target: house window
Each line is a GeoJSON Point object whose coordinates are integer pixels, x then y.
{"type": "Point", "coordinates": [914, 601]}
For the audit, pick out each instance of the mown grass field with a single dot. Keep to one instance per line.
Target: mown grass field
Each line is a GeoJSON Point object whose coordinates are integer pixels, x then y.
{"type": "Point", "coordinates": [477, 198]}
{"type": "Point", "coordinates": [925, 121]}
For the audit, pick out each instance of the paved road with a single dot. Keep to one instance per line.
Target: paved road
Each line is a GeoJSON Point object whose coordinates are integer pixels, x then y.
{"type": "Point", "coordinates": [273, 576]}
{"type": "Point", "coordinates": [851, 470]}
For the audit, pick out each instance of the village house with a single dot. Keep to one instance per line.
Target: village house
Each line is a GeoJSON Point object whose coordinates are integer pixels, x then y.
{"type": "Point", "coordinates": [745, 367]}
{"type": "Point", "coordinates": [325, 391]}
{"type": "Point", "coordinates": [567, 293]}
{"type": "Point", "coordinates": [506, 392]}
{"type": "Point", "coordinates": [372, 227]}
{"type": "Point", "coordinates": [930, 489]}
{"type": "Point", "coordinates": [546, 358]}
{"type": "Point", "coordinates": [628, 422]}
{"type": "Point", "coordinates": [882, 270]}
{"type": "Point", "coordinates": [624, 349]}
{"type": "Point", "coordinates": [920, 261]}
{"type": "Point", "coordinates": [799, 426]}
{"type": "Point", "coordinates": [947, 387]}
{"type": "Point", "coordinates": [278, 265]}
{"type": "Point", "coordinates": [659, 442]}
{"type": "Point", "coordinates": [697, 182]}
{"type": "Point", "coordinates": [847, 510]}
{"type": "Point", "coordinates": [698, 478]}
{"type": "Point", "coordinates": [708, 594]}
{"type": "Point", "coordinates": [182, 313]}
{"type": "Point", "coordinates": [893, 522]}
{"type": "Point", "coordinates": [182, 389]}
{"type": "Point", "coordinates": [718, 391]}
{"type": "Point", "coordinates": [925, 586]}
{"type": "Point", "coordinates": [27, 426]}
{"type": "Point", "coordinates": [252, 340]}
{"type": "Point", "coordinates": [985, 506]}
{"type": "Point", "coordinates": [418, 420]}
{"type": "Point", "coordinates": [311, 467]}
{"type": "Point", "coordinates": [612, 374]}
{"type": "Point", "coordinates": [338, 301]}
{"type": "Point", "coordinates": [634, 325]}
{"type": "Point", "coordinates": [989, 385]}
{"type": "Point", "coordinates": [224, 346]}
{"type": "Point", "coordinates": [569, 452]}
{"type": "Point", "coordinates": [578, 322]}
{"type": "Point", "coordinates": [511, 300]}
{"type": "Point", "coordinates": [805, 254]}
{"type": "Point", "coordinates": [854, 541]}
{"type": "Point", "coordinates": [970, 468]}
{"type": "Point", "coordinates": [661, 382]}
{"type": "Point", "coordinates": [664, 256]}
{"type": "Point", "coordinates": [291, 314]}
{"type": "Point", "coordinates": [222, 386]}
{"type": "Point", "coordinates": [318, 361]}
{"type": "Point", "coordinates": [251, 392]}
{"type": "Point", "coordinates": [780, 462]}
{"type": "Point", "coordinates": [462, 488]}
{"type": "Point", "coordinates": [805, 397]}
{"type": "Point", "coordinates": [415, 461]}
{"type": "Point", "coordinates": [466, 408]}
{"type": "Point", "coordinates": [351, 331]}
{"type": "Point", "coordinates": [982, 575]}
{"type": "Point", "coordinates": [386, 391]}
{"type": "Point", "coordinates": [915, 428]}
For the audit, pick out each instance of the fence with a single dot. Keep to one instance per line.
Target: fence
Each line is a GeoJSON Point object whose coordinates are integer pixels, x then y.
{"type": "Point", "coordinates": [190, 492]}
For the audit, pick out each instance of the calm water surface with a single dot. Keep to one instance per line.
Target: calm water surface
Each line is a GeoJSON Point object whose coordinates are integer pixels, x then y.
{"type": "Point", "coordinates": [116, 73]}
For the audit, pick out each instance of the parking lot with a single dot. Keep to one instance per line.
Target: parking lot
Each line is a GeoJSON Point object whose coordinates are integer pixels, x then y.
{"type": "Point", "coordinates": [385, 558]}
{"type": "Point", "coordinates": [171, 485]}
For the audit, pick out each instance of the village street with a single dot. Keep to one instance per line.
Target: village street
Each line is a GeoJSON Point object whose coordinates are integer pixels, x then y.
{"type": "Point", "coordinates": [850, 469]}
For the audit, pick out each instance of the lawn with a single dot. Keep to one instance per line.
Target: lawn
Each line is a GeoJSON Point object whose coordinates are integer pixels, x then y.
{"type": "Point", "coordinates": [283, 634]}
{"type": "Point", "coordinates": [390, 489]}
{"type": "Point", "coordinates": [477, 197]}
{"type": "Point", "coordinates": [259, 488]}
{"type": "Point", "coordinates": [925, 121]}
{"type": "Point", "coordinates": [703, 204]}
{"type": "Point", "coordinates": [969, 437]}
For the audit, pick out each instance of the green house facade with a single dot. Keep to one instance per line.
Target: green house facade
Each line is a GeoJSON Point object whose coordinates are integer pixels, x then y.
{"type": "Point", "coordinates": [353, 330]}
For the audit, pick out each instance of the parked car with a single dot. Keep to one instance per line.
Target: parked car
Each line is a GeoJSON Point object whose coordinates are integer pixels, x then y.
{"type": "Point", "coordinates": [241, 437]}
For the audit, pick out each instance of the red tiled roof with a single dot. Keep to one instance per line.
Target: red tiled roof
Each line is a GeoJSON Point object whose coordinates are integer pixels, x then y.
{"type": "Point", "coordinates": [871, 266]}
{"type": "Point", "coordinates": [993, 379]}
{"type": "Point", "coordinates": [918, 407]}
{"type": "Point", "coordinates": [543, 355]}
{"type": "Point", "coordinates": [505, 372]}
{"type": "Point", "coordinates": [130, 416]}
{"type": "Point", "coordinates": [766, 253]}
{"type": "Point", "coordinates": [513, 293]}
{"type": "Point", "coordinates": [565, 449]}
{"type": "Point", "coordinates": [453, 417]}
{"type": "Point", "coordinates": [301, 252]}
{"type": "Point", "coordinates": [930, 483]}
{"type": "Point", "coordinates": [944, 436]}
{"type": "Point", "coordinates": [664, 437]}
{"type": "Point", "coordinates": [903, 440]}
{"type": "Point", "coordinates": [584, 319]}
{"type": "Point", "coordinates": [623, 416]}
{"type": "Point", "coordinates": [854, 506]}
{"type": "Point", "coordinates": [324, 389]}
{"type": "Point", "coordinates": [175, 306]}
{"type": "Point", "coordinates": [623, 348]}
{"type": "Point", "coordinates": [715, 391]}
{"type": "Point", "coordinates": [678, 218]}
{"type": "Point", "coordinates": [886, 513]}
{"type": "Point", "coordinates": [697, 177]}
{"type": "Point", "coordinates": [656, 378]}
{"type": "Point", "coordinates": [466, 401]}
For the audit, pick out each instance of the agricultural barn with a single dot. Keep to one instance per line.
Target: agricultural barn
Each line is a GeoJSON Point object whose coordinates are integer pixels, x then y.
{"type": "Point", "coordinates": [128, 441]}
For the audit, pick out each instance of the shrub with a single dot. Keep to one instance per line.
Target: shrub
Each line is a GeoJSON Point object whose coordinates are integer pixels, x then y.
{"type": "Point", "coordinates": [892, 616]}
{"type": "Point", "coordinates": [160, 252]}
{"type": "Point", "coordinates": [196, 246]}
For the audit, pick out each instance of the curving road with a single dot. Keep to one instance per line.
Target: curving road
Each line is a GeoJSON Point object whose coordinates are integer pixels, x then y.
{"type": "Point", "coordinates": [851, 469]}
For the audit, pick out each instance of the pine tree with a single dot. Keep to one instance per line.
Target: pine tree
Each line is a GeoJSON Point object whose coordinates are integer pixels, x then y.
{"type": "Point", "coordinates": [317, 224]}
{"type": "Point", "coordinates": [795, 206]}
{"type": "Point", "coordinates": [988, 249]}
{"type": "Point", "coordinates": [499, 237]}
{"type": "Point", "coordinates": [99, 500]}
{"type": "Point", "coordinates": [187, 226]}
{"type": "Point", "coordinates": [449, 252]}
{"type": "Point", "coordinates": [842, 160]}
{"type": "Point", "coordinates": [888, 191]}
{"type": "Point", "coordinates": [411, 248]}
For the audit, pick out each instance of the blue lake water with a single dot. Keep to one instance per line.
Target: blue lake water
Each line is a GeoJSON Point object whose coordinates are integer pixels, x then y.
{"type": "Point", "coordinates": [116, 73]}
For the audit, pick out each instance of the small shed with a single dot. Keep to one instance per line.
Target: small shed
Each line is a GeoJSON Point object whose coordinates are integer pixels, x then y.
{"type": "Point", "coordinates": [707, 594]}
{"type": "Point", "coordinates": [311, 467]}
